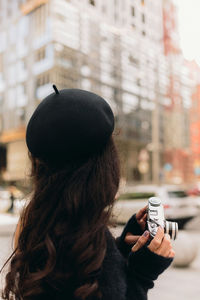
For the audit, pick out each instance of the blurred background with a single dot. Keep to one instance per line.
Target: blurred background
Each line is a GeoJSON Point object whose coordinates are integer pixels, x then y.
{"type": "Point", "coordinates": [142, 56]}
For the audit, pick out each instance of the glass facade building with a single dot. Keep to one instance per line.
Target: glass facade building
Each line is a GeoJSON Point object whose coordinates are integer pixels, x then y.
{"type": "Point", "coordinates": [114, 48]}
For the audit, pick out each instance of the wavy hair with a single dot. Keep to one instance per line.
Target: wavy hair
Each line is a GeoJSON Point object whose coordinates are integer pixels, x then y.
{"type": "Point", "coordinates": [62, 241]}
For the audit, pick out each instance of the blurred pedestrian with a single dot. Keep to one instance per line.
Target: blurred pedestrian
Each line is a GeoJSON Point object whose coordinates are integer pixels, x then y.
{"type": "Point", "coordinates": [64, 249]}
{"type": "Point", "coordinates": [12, 189]}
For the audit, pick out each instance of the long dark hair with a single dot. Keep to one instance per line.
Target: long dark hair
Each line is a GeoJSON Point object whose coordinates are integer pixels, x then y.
{"type": "Point", "coordinates": [62, 243]}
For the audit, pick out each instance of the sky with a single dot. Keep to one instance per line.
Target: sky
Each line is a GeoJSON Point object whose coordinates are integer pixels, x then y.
{"type": "Point", "coordinates": [189, 28]}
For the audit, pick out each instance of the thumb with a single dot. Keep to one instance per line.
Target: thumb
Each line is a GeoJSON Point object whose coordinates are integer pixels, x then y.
{"type": "Point", "coordinates": [131, 239]}
{"type": "Point", "coordinates": [141, 241]}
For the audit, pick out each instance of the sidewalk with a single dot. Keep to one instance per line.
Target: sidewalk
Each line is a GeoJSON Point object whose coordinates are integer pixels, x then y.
{"type": "Point", "coordinates": [8, 223]}
{"type": "Point", "coordinates": [178, 283]}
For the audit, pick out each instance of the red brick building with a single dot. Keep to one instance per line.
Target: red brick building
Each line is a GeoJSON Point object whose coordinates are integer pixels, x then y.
{"type": "Point", "coordinates": [195, 132]}
{"type": "Point", "coordinates": [177, 153]}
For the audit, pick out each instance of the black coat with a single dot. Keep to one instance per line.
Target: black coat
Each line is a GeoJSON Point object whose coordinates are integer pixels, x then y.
{"type": "Point", "coordinates": [126, 275]}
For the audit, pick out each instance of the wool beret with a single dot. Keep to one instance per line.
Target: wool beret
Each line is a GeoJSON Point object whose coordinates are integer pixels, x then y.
{"type": "Point", "coordinates": [68, 125]}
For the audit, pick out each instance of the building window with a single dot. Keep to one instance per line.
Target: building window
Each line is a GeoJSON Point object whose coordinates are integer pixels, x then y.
{"type": "Point", "coordinates": [92, 2]}
{"type": "Point", "coordinates": [143, 18]}
{"type": "Point", "coordinates": [142, 2]}
{"type": "Point", "coordinates": [3, 153]}
{"type": "Point", "coordinates": [133, 60]}
{"type": "Point", "coordinates": [40, 16]}
{"type": "Point", "coordinates": [1, 63]}
{"type": "Point", "coordinates": [133, 26]}
{"type": "Point", "coordinates": [21, 114]}
{"type": "Point", "coordinates": [1, 100]}
{"type": "Point", "coordinates": [143, 33]}
{"type": "Point", "coordinates": [103, 9]}
{"type": "Point", "coordinates": [42, 80]}
{"type": "Point", "coordinates": [138, 82]}
{"type": "Point", "coordinates": [133, 11]}
{"type": "Point", "coordinates": [40, 54]}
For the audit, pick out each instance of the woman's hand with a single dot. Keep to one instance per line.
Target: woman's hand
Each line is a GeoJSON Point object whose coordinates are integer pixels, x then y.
{"type": "Point", "coordinates": [160, 244]}
{"type": "Point", "coordinates": [137, 240]}
{"type": "Point", "coordinates": [141, 217]}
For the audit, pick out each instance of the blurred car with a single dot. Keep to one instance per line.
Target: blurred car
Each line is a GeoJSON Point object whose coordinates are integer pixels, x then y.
{"type": "Point", "coordinates": [177, 204]}
{"type": "Point", "coordinates": [194, 190]}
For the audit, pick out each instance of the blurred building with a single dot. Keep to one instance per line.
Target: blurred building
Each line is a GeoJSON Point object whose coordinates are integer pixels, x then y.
{"type": "Point", "coordinates": [120, 49]}
{"type": "Point", "coordinates": [195, 130]}
{"type": "Point", "coordinates": [183, 78]}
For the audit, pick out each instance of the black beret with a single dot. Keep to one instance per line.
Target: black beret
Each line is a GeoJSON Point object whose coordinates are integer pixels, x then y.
{"type": "Point", "coordinates": [68, 125]}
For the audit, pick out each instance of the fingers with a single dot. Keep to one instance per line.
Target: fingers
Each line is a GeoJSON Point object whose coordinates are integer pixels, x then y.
{"type": "Point", "coordinates": [157, 240]}
{"type": "Point", "coordinates": [165, 247]}
{"type": "Point", "coordinates": [161, 244]}
{"type": "Point", "coordinates": [141, 217]}
{"type": "Point", "coordinates": [172, 253]}
{"type": "Point", "coordinates": [131, 239]}
{"type": "Point", "coordinates": [144, 219]}
{"type": "Point", "coordinates": [141, 213]}
{"type": "Point", "coordinates": [141, 241]}
{"type": "Point", "coordinates": [142, 222]}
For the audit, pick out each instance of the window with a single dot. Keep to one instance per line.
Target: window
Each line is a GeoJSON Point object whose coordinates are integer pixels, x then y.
{"type": "Point", "coordinates": [1, 100]}
{"type": "Point", "coordinates": [42, 80]}
{"type": "Point", "coordinates": [92, 2]}
{"type": "Point", "coordinates": [12, 34]}
{"type": "Point", "coordinates": [21, 96]}
{"type": "Point", "coordinates": [143, 33]}
{"type": "Point", "coordinates": [133, 60]}
{"type": "Point", "coordinates": [21, 114]}
{"type": "Point", "coordinates": [1, 63]}
{"type": "Point", "coordinates": [133, 11]}
{"type": "Point", "coordinates": [143, 18]}
{"type": "Point", "coordinates": [3, 151]}
{"type": "Point", "coordinates": [103, 9]}
{"type": "Point", "coordinates": [133, 26]}
{"type": "Point", "coordinates": [9, 10]}
{"type": "Point", "coordinates": [40, 54]}
{"type": "Point", "coordinates": [142, 2]}
{"type": "Point", "coordinates": [40, 16]}
{"type": "Point", "coordinates": [138, 82]}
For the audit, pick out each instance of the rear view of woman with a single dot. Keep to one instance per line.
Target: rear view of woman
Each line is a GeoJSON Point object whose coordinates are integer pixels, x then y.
{"type": "Point", "coordinates": [64, 249]}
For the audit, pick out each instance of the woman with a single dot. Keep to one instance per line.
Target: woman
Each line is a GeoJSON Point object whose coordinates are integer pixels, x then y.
{"type": "Point", "coordinates": [64, 249]}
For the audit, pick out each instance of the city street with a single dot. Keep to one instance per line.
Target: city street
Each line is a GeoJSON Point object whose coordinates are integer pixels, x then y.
{"type": "Point", "coordinates": [179, 283]}
{"type": "Point", "coordinates": [95, 93]}
{"type": "Point", "coordinates": [7, 228]}
{"type": "Point", "coordinates": [174, 284]}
